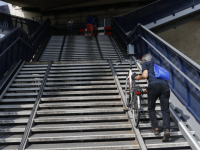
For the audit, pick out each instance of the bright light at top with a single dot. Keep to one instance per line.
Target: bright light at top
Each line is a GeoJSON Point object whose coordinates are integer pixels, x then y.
{"type": "Point", "coordinates": [3, 3]}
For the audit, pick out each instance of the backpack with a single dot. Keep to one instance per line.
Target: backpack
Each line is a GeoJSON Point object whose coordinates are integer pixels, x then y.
{"type": "Point", "coordinates": [160, 73]}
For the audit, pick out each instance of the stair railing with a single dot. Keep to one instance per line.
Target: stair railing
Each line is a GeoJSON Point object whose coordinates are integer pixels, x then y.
{"type": "Point", "coordinates": [184, 73]}
{"type": "Point", "coordinates": [18, 45]}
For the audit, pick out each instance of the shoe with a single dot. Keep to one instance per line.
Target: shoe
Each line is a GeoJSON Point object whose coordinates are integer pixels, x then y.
{"type": "Point", "coordinates": [155, 131]}
{"type": "Point", "coordinates": [166, 136]}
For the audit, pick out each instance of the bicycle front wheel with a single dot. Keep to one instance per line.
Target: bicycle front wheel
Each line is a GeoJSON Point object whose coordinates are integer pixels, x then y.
{"type": "Point", "coordinates": [137, 108]}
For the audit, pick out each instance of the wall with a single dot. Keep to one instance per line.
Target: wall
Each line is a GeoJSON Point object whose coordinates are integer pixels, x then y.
{"type": "Point", "coordinates": [185, 38]}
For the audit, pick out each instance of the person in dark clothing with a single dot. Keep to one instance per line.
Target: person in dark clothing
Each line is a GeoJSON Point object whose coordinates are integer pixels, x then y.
{"type": "Point", "coordinates": [89, 25]}
{"type": "Point", "coordinates": [70, 26]}
{"type": "Point", "coordinates": [157, 88]}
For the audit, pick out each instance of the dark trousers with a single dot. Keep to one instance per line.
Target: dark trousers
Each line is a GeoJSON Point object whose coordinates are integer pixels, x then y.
{"type": "Point", "coordinates": [161, 91]}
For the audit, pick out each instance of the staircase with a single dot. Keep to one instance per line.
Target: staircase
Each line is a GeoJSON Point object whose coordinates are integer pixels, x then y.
{"type": "Point", "coordinates": [78, 103]}
{"type": "Point", "coordinates": [80, 48]}
{"type": "Point", "coordinates": [80, 108]}
{"type": "Point", "coordinates": [17, 101]}
{"type": "Point", "coordinates": [53, 49]}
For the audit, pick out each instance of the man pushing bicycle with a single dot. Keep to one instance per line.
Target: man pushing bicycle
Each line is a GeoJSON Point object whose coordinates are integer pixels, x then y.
{"type": "Point", "coordinates": [157, 88]}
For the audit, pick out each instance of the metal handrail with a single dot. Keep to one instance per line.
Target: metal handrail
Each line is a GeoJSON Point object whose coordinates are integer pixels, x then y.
{"type": "Point", "coordinates": [175, 50]}
{"type": "Point", "coordinates": [139, 15]}
{"type": "Point", "coordinates": [177, 69]}
{"type": "Point", "coordinates": [18, 34]}
{"type": "Point", "coordinates": [14, 44]}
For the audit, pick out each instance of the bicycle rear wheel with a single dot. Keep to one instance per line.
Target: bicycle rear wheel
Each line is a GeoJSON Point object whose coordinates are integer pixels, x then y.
{"type": "Point", "coordinates": [137, 109]}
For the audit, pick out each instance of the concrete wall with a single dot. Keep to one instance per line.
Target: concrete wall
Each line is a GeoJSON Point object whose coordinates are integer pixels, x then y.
{"type": "Point", "coordinates": [185, 38]}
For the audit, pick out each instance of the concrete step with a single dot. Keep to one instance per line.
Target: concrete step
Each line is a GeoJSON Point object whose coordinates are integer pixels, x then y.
{"type": "Point", "coordinates": [82, 127]}
{"type": "Point", "coordinates": [81, 104]}
{"type": "Point", "coordinates": [77, 82]}
{"type": "Point", "coordinates": [82, 78]}
{"type": "Point", "coordinates": [80, 67]}
{"type": "Point", "coordinates": [101, 92]}
{"type": "Point", "coordinates": [77, 136]}
{"type": "Point", "coordinates": [173, 132]}
{"type": "Point", "coordinates": [81, 87]}
{"type": "Point", "coordinates": [82, 118]}
{"type": "Point", "coordinates": [82, 98]}
{"type": "Point", "coordinates": [15, 113]}
{"type": "Point", "coordinates": [174, 143]}
{"type": "Point", "coordinates": [9, 147]}
{"type": "Point", "coordinates": [16, 106]}
{"type": "Point", "coordinates": [76, 71]}
{"type": "Point", "coordinates": [18, 100]}
{"type": "Point", "coordinates": [13, 129]}
{"type": "Point", "coordinates": [147, 124]}
{"type": "Point", "coordinates": [86, 146]}
{"type": "Point", "coordinates": [81, 111]}
{"type": "Point", "coordinates": [81, 74]}
{"type": "Point", "coordinates": [19, 120]}
{"type": "Point", "coordinates": [11, 138]}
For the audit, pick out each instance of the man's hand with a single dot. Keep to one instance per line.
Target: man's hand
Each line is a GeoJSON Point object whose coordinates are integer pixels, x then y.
{"type": "Point", "coordinates": [134, 75]}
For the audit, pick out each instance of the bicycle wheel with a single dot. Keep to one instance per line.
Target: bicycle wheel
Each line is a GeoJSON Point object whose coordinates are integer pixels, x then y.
{"type": "Point", "coordinates": [137, 100]}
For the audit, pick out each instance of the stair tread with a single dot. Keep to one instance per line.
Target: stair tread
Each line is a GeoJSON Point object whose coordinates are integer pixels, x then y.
{"type": "Point", "coordinates": [173, 143]}
{"type": "Point", "coordinates": [81, 118]}
{"type": "Point", "coordinates": [81, 92]}
{"type": "Point", "coordinates": [81, 110]}
{"type": "Point", "coordinates": [80, 134]}
{"type": "Point", "coordinates": [14, 120]}
{"type": "Point", "coordinates": [96, 103]}
{"type": "Point", "coordinates": [17, 128]}
{"type": "Point", "coordinates": [9, 147]}
{"type": "Point", "coordinates": [85, 146]}
{"type": "Point", "coordinates": [10, 138]}
{"type": "Point", "coordinates": [81, 98]}
{"type": "Point", "coordinates": [16, 106]}
{"type": "Point", "coordinates": [18, 113]}
{"type": "Point", "coordinates": [108, 124]}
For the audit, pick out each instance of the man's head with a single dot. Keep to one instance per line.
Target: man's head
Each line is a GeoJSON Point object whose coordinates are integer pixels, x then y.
{"type": "Point", "coordinates": [147, 58]}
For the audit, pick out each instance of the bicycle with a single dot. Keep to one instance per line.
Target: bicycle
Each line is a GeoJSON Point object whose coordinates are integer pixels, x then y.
{"type": "Point", "coordinates": [133, 103]}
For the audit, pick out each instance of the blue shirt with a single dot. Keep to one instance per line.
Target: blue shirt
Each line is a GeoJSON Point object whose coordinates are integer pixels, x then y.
{"type": "Point", "coordinates": [150, 67]}
{"type": "Point", "coordinates": [90, 20]}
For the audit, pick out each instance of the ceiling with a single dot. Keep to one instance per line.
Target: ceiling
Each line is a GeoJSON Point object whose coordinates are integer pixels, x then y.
{"type": "Point", "coordinates": [64, 4]}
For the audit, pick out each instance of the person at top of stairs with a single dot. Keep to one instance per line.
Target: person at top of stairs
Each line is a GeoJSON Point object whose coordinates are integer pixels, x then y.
{"type": "Point", "coordinates": [157, 88]}
{"type": "Point", "coordinates": [90, 28]}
